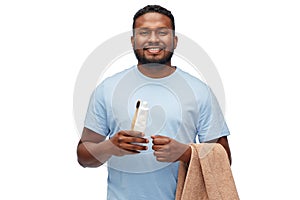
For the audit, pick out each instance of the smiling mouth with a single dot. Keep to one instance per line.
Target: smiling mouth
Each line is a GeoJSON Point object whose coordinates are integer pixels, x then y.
{"type": "Point", "coordinates": [153, 50]}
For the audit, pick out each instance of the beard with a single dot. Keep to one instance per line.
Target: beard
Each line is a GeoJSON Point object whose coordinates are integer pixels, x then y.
{"type": "Point", "coordinates": [143, 60]}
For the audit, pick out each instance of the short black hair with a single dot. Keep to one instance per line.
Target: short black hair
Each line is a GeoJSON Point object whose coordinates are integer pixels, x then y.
{"type": "Point", "coordinates": [157, 9]}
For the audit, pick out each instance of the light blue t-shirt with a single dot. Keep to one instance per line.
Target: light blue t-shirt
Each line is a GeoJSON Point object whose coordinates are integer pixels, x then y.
{"type": "Point", "coordinates": [180, 106]}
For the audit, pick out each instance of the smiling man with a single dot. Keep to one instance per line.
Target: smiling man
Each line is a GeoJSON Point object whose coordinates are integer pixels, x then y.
{"type": "Point", "coordinates": [144, 166]}
{"type": "Point", "coordinates": [153, 40]}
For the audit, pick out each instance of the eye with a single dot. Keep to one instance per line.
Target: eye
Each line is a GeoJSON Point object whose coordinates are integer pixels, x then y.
{"type": "Point", "coordinates": [144, 33]}
{"type": "Point", "coordinates": [162, 33]}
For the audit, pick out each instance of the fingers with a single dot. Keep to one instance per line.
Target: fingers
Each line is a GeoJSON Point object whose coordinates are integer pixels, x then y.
{"type": "Point", "coordinates": [130, 141]}
{"type": "Point", "coordinates": [133, 133]}
{"type": "Point", "coordinates": [167, 149]}
{"type": "Point", "coordinates": [131, 137]}
{"type": "Point", "coordinates": [157, 147]}
{"type": "Point", "coordinates": [161, 156]}
{"type": "Point", "coordinates": [160, 143]}
{"type": "Point", "coordinates": [133, 147]}
{"type": "Point", "coordinates": [121, 152]}
{"type": "Point", "coordinates": [160, 140]}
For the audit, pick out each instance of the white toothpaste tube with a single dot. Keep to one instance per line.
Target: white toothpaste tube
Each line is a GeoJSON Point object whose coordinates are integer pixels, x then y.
{"type": "Point", "coordinates": [141, 117]}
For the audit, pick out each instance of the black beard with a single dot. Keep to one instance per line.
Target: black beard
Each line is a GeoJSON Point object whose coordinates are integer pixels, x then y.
{"type": "Point", "coordinates": [143, 60]}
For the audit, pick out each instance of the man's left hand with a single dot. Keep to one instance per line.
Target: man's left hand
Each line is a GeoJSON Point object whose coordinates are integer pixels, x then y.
{"type": "Point", "coordinates": [169, 150]}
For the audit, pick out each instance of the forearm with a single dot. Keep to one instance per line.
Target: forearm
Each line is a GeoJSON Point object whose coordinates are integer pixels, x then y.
{"type": "Point", "coordinates": [94, 154]}
{"type": "Point", "coordinates": [186, 156]}
{"type": "Point", "coordinates": [224, 142]}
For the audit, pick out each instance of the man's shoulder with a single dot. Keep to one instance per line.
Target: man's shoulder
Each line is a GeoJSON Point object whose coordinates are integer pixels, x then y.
{"type": "Point", "coordinates": [113, 79]}
{"type": "Point", "coordinates": [107, 85]}
{"type": "Point", "coordinates": [119, 75]}
{"type": "Point", "coordinates": [192, 79]}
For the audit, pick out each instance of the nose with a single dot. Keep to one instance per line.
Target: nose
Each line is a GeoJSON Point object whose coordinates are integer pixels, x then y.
{"type": "Point", "coordinates": [153, 37]}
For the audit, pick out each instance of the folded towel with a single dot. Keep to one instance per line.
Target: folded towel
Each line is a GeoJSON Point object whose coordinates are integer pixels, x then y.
{"type": "Point", "coordinates": [208, 175]}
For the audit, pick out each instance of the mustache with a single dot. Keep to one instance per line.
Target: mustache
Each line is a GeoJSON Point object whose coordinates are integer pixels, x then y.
{"type": "Point", "coordinates": [150, 45]}
{"type": "Point", "coordinates": [145, 47]}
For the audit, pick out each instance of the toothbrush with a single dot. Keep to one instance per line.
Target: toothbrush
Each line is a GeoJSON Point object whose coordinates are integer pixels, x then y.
{"type": "Point", "coordinates": [138, 103]}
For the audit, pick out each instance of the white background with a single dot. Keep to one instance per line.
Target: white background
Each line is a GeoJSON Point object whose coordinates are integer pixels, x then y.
{"type": "Point", "coordinates": [255, 46]}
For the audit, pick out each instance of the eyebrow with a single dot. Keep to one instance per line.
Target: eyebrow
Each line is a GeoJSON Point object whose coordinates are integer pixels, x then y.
{"type": "Point", "coordinates": [145, 28]}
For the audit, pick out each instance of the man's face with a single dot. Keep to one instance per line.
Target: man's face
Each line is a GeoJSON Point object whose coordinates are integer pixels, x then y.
{"type": "Point", "coordinates": [153, 40]}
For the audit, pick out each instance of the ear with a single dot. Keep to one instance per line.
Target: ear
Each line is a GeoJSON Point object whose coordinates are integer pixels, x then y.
{"type": "Point", "coordinates": [132, 41]}
{"type": "Point", "coordinates": [175, 40]}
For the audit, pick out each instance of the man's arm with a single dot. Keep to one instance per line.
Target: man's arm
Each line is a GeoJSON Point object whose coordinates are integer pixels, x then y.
{"type": "Point", "coordinates": [93, 150]}
{"type": "Point", "coordinates": [169, 150]}
{"type": "Point", "coordinates": [86, 154]}
{"type": "Point", "coordinates": [224, 142]}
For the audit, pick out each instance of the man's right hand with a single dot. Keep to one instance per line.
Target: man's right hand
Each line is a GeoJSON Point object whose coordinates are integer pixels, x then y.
{"type": "Point", "coordinates": [128, 142]}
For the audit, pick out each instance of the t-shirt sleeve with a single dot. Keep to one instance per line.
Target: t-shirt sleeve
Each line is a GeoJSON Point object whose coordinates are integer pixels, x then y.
{"type": "Point", "coordinates": [211, 124]}
{"type": "Point", "coordinates": [96, 116]}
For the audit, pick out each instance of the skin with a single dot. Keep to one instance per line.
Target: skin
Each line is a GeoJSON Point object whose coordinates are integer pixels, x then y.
{"type": "Point", "coordinates": [150, 33]}
{"type": "Point", "coordinates": [153, 23]}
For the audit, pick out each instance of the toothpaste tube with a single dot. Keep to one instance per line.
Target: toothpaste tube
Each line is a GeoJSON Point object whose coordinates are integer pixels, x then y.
{"type": "Point", "coordinates": [141, 116]}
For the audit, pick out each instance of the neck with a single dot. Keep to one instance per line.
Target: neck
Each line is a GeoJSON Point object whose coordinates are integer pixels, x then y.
{"type": "Point", "coordinates": [155, 70]}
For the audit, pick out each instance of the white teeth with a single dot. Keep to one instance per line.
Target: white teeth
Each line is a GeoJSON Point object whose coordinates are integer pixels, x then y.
{"type": "Point", "coordinates": [154, 50]}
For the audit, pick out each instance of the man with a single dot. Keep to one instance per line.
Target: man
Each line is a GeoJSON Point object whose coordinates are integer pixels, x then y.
{"type": "Point", "coordinates": [182, 108]}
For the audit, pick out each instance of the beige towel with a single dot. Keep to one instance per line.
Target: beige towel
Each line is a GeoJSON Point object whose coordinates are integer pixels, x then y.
{"type": "Point", "coordinates": [208, 175]}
